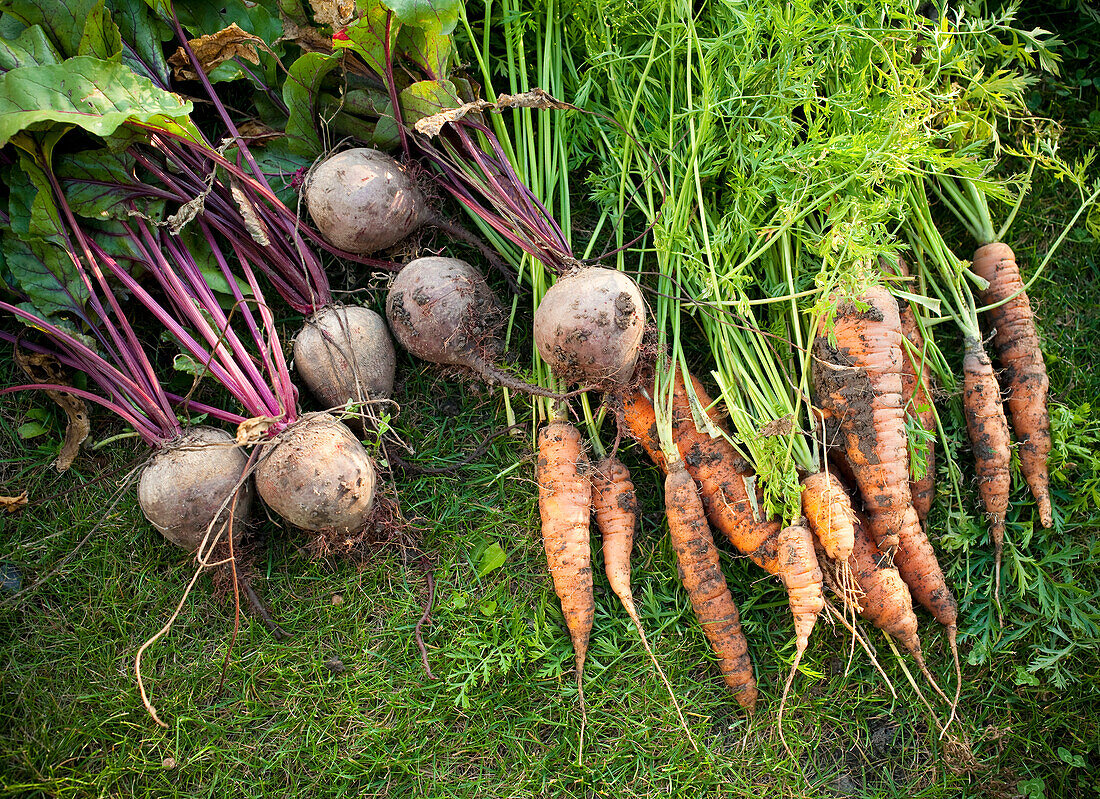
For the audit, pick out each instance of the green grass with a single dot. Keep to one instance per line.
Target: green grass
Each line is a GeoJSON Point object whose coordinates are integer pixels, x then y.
{"type": "Point", "coordinates": [344, 707]}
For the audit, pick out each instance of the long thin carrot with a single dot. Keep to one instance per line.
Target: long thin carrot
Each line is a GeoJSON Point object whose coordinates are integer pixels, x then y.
{"type": "Point", "coordinates": [802, 579]}
{"type": "Point", "coordinates": [1016, 342]}
{"type": "Point", "coordinates": [701, 574]}
{"type": "Point", "coordinates": [565, 500]}
{"type": "Point", "coordinates": [857, 382]}
{"type": "Point", "coordinates": [988, 431]}
{"type": "Point", "coordinates": [616, 506]}
{"type": "Point", "coordinates": [916, 393]}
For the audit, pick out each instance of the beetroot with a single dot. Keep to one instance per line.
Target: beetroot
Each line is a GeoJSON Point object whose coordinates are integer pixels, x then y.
{"type": "Point", "coordinates": [363, 201]}
{"type": "Point", "coordinates": [441, 310]}
{"type": "Point", "coordinates": [190, 481]}
{"type": "Point", "coordinates": [589, 326]}
{"type": "Point", "coordinates": [318, 476]}
{"type": "Point", "coordinates": [345, 353]}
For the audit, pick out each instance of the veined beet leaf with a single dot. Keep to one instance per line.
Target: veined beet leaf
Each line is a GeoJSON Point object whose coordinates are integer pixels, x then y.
{"type": "Point", "coordinates": [96, 95]}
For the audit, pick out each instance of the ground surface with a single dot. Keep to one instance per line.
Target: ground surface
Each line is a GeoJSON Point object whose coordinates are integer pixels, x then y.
{"type": "Point", "coordinates": [344, 707]}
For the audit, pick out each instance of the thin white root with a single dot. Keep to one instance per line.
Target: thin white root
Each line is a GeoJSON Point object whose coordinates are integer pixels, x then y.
{"type": "Point", "coordinates": [628, 603]}
{"type": "Point", "coordinates": [913, 682]}
{"type": "Point", "coordinates": [863, 642]}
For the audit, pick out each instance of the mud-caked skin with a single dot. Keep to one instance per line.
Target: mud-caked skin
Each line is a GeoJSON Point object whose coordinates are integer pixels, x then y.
{"type": "Point", "coordinates": [589, 326]}
{"type": "Point", "coordinates": [345, 353]}
{"type": "Point", "coordinates": [187, 482]}
{"type": "Point", "coordinates": [987, 429]}
{"type": "Point", "coordinates": [318, 476]}
{"type": "Point", "coordinates": [701, 574]}
{"type": "Point", "coordinates": [1024, 377]}
{"type": "Point", "coordinates": [857, 382]}
{"type": "Point", "coordinates": [363, 201]}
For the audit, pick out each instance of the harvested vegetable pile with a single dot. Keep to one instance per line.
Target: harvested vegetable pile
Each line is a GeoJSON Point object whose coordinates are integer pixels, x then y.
{"type": "Point", "coordinates": [728, 237]}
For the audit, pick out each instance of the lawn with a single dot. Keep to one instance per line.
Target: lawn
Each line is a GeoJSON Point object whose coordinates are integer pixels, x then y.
{"type": "Point", "coordinates": [346, 706]}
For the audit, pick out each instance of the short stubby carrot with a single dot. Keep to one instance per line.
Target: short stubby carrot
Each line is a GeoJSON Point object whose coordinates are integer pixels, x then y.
{"type": "Point", "coordinates": [987, 429]}
{"type": "Point", "coordinates": [701, 574]}
{"type": "Point", "coordinates": [802, 578]}
{"type": "Point", "coordinates": [857, 383]}
{"type": "Point", "coordinates": [565, 500]}
{"type": "Point", "coordinates": [828, 511]}
{"type": "Point", "coordinates": [1016, 342]}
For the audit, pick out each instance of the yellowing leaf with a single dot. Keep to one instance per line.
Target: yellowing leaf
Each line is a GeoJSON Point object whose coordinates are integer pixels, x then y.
{"type": "Point", "coordinates": [214, 49]}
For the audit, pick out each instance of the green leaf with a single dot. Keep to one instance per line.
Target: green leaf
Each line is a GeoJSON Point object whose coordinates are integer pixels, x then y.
{"type": "Point", "coordinates": [300, 89]}
{"type": "Point", "coordinates": [1071, 758]}
{"type": "Point", "coordinates": [31, 430]}
{"type": "Point", "coordinates": [45, 275]}
{"type": "Point", "coordinates": [91, 180]}
{"type": "Point", "coordinates": [189, 366]}
{"type": "Point", "coordinates": [440, 16]}
{"type": "Point", "coordinates": [1024, 677]}
{"type": "Point", "coordinates": [32, 211]}
{"type": "Point", "coordinates": [426, 98]}
{"type": "Point", "coordinates": [98, 96]}
{"type": "Point", "coordinates": [79, 27]}
{"type": "Point", "coordinates": [143, 35]}
{"type": "Point", "coordinates": [283, 168]}
{"type": "Point", "coordinates": [367, 36]}
{"type": "Point", "coordinates": [200, 17]}
{"type": "Point", "coordinates": [32, 48]}
{"type": "Point", "coordinates": [491, 559]}
{"type": "Point", "coordinates": [433, 51]}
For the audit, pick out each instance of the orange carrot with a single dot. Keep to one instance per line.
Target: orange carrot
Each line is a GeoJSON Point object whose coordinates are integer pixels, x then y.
{"type": "Point", "coordinates": [1016, 342]}
{"type": "Point", "coordinates": [828, 511]}
{"type": "Point", "coordinates": [988, 431]}
{"type": "Point", "coordinates": [565, 499]}
{"type": "Point", "coordinates": [616, 506]}
{"type": "Point", "coordinates": [697, 563]}
{"type": "Point", "coordinates": [857, 383]}
{"type": "Point", "coordinates": [916, 393]}
{"type": "Point", "coordinates": [916, 562]}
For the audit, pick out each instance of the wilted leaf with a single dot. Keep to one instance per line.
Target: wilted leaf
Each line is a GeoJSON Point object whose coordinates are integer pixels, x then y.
{"type": "Point", "coordinates": [96, 95]}
{"type": "Point", "coordinates": [334, 13]}
{"type": "Point", "coordinates": [12, 504]}
{"type": "Point", "coordinates": [250, 431]}
{"type": "Point", "coordinates": [43, 368]}
{"type": "Point", "coordinates": [252, 222]}
{"type": "Point", "coordinates": [306, 37]}
{"type": "Point", "coordinates": [214, 49]}
{"type": "Point", "coordinates": [255, 132]}
{"type": "Point", "coordinates": [430, 125]}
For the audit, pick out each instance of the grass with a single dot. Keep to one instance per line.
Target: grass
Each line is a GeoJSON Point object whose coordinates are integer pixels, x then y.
{"type": "Point", "coordinates": [345, 707]}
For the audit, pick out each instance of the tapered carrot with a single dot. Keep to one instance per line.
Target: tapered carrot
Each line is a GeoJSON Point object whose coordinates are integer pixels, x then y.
{"type": "Point", "coordinates": [803, 580]}
{"type": "Point", "coordinates": [988, 431]}
{"type": "Point", "coordinates": [616, 507]}
{"type": "Point", "coordinates": [916, 393]}
{"type": "Point", "coordinates": [565, 500]}
{"type": "Point", "coordinates": [1016, 342]}
{"type": "Point", "coordinates": [701, 574]}
{"type": "Point", "coordinates": [857, 383]}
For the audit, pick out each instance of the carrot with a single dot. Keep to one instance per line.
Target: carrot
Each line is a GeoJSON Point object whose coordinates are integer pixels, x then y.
{"type": "Point", "coordinates": [916, 562]}
{"type": "Point", "coordinates": [802, 579]}
{"type": "Point", "coordinates": [1016, 342]}
{"type": "Point", "coordinates": [701, 574]}
{"type": "Point", "coordinates": [884, 599]}
{"type": "Point", "coordinates": [828, 511]}
{"type": "Point", "coordinates": [916, 393]}
{"type": "Point", "coordinates": [857, 383]}
{"type": "Point", "coordinates": [616, 506]}
{"type": "Point", "coordinates": [988, 431]}
{"type": "Point", "coordinates": [565, 499]}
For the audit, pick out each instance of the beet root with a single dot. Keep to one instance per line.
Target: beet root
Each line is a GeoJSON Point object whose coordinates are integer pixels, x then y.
{"type": "Point", "coordinates": [345, 353]}
{"type": "Point", "coordinates": [589, 326]}
{"type": "Point", "coordinates": [187, 483]}
{"type": "Point", "coordinates": [318, 476]}
{"type": "Point", "coordinates": [363, 201]}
